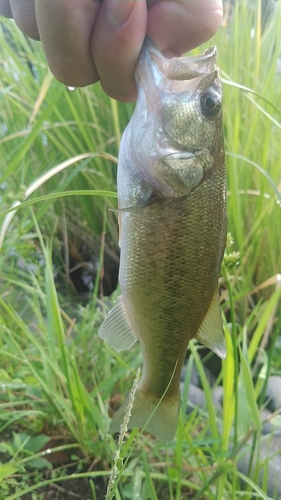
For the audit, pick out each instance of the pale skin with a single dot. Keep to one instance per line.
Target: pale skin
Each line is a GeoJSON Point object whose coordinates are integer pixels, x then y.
{"type": "Point", "coordinates": [89, 40]}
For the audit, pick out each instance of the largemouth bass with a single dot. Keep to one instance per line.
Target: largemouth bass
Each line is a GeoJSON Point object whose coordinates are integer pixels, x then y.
{"type": "Point", "coordinates": [172, 220]}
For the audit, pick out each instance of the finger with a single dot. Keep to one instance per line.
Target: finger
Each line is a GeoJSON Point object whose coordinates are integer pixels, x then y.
{"type": "Point", "coordinates": [65, 28]}
{"type": "Point", "coordinates": [24, 16]}
{"type": "Point", "coordinates": [176, 26]}
{"type": "Point", "coordinates": [117, 40]}
{"type": "Point", "coordinates": [5, 8]}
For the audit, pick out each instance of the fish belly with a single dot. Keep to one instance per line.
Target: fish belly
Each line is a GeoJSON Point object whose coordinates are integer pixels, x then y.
{"type": "Point", "coordinates": [170, 263]}
{"type": "Point", "coordinates": [169, 269]}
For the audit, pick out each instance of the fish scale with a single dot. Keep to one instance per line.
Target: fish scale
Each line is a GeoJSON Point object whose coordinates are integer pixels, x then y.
{"type": "Point", "coordinates": [172, 201]}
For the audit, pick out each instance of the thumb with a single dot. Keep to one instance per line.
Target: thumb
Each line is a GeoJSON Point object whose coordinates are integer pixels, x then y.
{"type": "Point", "coordinates": [176, 26]}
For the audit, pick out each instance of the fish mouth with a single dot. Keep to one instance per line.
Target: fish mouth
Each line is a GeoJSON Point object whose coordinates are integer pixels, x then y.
{"type": "Point", "coordinates": [184, 68]}
{"type": "Point", "coordinates": [182, 153]}
{"type": "Point", "coordinates": [178, 73]}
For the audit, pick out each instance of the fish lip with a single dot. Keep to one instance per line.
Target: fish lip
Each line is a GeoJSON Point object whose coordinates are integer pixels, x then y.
{"type": "Point", "coordinates": [180, 152]}
{"type": "Point", "coordinates": [208, 55]}
{"type": "Point", "coordinates": [182, 68]}
{"type": "Point", "coordinates": [157, 74]}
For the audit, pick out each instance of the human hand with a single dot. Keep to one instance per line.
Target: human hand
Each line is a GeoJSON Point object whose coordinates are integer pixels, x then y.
{"type": "Point", "coordinates": [90, 40]}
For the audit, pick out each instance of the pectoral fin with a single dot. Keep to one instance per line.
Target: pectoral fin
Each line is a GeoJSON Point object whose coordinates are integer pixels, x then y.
{"type": "Point", "coordinates": [210, 332]}
{"type": "Point", "coordinates": [116, 329]}
{"type": "Point", "coordinates": [145, 202]}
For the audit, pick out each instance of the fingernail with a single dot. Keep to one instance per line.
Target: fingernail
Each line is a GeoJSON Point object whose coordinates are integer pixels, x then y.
{"type": "Point", "coordinates": [118, 11]}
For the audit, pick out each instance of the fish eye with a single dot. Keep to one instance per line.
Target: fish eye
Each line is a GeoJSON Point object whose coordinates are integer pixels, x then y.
{"type": "Point", "coordinates": [210, 103]}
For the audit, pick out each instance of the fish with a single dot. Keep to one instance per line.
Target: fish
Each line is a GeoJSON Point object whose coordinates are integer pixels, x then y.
{"type": "Point", "coordinates": [171, 184]}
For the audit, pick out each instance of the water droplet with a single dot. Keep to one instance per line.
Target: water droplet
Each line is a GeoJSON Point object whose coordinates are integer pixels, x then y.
{"type": "Point", "coordinates": [47, 452]}
{"type": "Point", "coordinates": [71, 89]}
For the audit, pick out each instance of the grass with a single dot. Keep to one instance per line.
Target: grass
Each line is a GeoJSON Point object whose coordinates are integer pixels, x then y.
{"type": "Point", "coordinates": [57, 379]}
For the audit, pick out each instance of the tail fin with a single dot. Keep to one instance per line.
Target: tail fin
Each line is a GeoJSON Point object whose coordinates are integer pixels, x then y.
{"type": "Point", "coordinates": [162, 419]}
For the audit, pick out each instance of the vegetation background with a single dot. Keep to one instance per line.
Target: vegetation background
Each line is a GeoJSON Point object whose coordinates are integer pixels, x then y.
{"type": "Point", "coordinates": [59, 264]}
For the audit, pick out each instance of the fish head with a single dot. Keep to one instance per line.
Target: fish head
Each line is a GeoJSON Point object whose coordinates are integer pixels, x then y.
{"type": "Point", "coordinates": [177, 123]}
{"type": "Point", "coordinates": [190, 118]}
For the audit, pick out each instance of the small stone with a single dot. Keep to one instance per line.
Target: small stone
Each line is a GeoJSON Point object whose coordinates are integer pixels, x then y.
{"type": "Point", "coordinates": [270, 456]}
{"type": "Point", "coordinates": [210, 376]}
{"type": "Point", "coordinates": [194, 378]}
{"type": "Point", "coordinates": [218, 394]}
{"type": "Point", "coordinates": [273, 393]}
{"type": "Point", "coordinates": [196, 398]}
{"type": "Point", "coordinates": [269, 425]}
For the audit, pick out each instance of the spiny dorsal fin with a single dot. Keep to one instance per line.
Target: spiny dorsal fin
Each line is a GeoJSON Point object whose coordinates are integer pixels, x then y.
{"type": "Point", "coordinates": [210, 332]}
{"type": "Point", "coordinates": [116, 329]}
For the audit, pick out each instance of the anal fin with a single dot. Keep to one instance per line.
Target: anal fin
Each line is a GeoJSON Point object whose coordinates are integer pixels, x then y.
{"type": "Point", "coordinates": [116, 329]}
{"type": "Point", "coordinates": [210, 332]}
